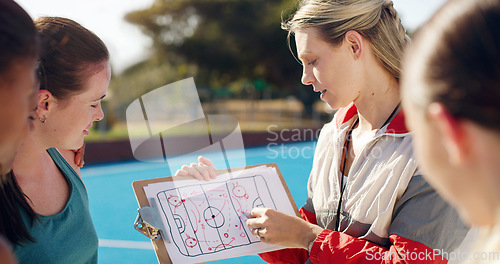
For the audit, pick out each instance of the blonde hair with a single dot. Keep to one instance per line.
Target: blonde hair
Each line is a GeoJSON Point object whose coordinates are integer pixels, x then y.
{"type": "Point", "coordinates": [376, 20]}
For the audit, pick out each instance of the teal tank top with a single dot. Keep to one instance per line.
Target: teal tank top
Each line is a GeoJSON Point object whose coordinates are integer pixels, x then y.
{"type": "Point", "coordinates": [66, 237]}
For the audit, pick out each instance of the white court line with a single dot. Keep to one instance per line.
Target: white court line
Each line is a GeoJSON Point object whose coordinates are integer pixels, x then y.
{"type": "Point", "coordinates": [124, 244]}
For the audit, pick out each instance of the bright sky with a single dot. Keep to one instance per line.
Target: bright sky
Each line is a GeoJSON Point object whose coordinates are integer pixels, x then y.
{"type": "Point", "coordinates": [126, 42]}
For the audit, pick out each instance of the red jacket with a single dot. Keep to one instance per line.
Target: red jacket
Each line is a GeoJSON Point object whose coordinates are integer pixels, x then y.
{"type": "Point", "coordinates": [389, 213]}
{"type": "Point", "coordinates": [337, 247]}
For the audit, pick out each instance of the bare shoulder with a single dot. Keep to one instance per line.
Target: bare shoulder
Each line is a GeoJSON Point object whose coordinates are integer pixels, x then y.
{"type": "Point", "coordinates": [69, 156]}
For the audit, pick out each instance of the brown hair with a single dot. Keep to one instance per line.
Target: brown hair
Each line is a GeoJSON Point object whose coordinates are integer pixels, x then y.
{"type": "Point", "coordinates": [376, 20]}
{"type": "Point", "coordinates": [70, 55]}
{"type": "Point", "coordinates": [456, 58]}
{"type": "Point", "coordinates": [18, 37]}
{"type": "Point", "coordinates": [12, 199]}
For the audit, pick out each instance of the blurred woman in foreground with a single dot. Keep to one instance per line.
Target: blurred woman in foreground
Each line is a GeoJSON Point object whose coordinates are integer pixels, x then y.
{"type": "Point", "coordinates": [18, 89]}
{"type": "Point", "coordinates": [451, 93]}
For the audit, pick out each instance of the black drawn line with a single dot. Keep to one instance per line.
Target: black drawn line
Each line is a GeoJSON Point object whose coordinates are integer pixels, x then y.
{"type": "Point", "coordinates": [212, 215]}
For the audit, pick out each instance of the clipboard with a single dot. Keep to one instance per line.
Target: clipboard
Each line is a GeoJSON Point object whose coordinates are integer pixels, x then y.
{"type": "Point", "coordinates": [151, 226]}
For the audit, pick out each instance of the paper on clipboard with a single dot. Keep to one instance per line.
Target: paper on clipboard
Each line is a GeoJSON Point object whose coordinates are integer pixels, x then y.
{"type": "Point", "coordinates": [206, 221]}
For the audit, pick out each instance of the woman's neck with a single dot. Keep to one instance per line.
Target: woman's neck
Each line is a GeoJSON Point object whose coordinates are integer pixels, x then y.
{"type": "Point", "coordinates": [377, 103]}
{"type": "Point", "coordinates": [488, 165]}
{"type": "Point", "coordinates": [476, 162]}
{"type": "Point", "coordinates": [31, 158]}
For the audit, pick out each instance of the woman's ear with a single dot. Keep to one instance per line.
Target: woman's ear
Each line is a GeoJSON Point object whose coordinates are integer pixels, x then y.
{"type": "Point", "coordinates": [45, 103]}
{"type": "Point", "coordinates": [355, 42]}
{"type": "Point", "coordinates": [452, 131]}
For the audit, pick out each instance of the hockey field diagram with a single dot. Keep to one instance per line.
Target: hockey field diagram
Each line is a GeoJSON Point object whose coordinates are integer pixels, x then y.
{"type": "Point", "coordinates": [210, 217]}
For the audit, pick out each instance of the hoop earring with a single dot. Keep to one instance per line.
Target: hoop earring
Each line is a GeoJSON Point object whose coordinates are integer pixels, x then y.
{"type": "Point", "coordinates": [43, 120]}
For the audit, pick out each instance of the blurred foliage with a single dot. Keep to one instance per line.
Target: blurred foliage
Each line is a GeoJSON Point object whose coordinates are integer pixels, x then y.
{"type": "Point", "coordinates": [233, 48]}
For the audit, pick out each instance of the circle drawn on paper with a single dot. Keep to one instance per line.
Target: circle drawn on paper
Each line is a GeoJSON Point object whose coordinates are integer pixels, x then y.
{"type": "Point", "coordinates": [213, 217]}
{"type": "Point", "coordinates": [174, 200]}
{"type": "Point", "coordinates": [191, 242]}
{"type": "Point", "coordinates": [239, 191]}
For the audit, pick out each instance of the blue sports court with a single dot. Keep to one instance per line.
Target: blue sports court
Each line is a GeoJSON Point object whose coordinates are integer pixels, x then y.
{"type": "Point", "coordinates": [114, 208]}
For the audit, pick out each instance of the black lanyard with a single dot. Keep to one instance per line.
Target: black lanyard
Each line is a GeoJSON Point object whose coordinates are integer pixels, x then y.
{"type": "Point", "coordinates": [346, 147]}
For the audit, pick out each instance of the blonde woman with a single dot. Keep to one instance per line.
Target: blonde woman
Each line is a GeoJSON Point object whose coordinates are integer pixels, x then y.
{"type": "Point", "coordinates": [451, 94]}
{"type": "Point", "coordinates": [368, 202]}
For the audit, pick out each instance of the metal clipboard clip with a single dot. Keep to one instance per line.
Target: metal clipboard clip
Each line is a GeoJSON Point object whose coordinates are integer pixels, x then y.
{"type": "Point", "coordinates": [149, 223]}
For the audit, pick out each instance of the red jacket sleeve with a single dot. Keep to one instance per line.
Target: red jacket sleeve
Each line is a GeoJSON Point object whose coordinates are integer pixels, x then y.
{"type": "Point", "coordinates": [332, 246]}
{"type": "Point", "coordinates": [336, 247]}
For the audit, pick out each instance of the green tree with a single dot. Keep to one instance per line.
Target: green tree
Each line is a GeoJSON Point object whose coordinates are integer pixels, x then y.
{"type": "Point", "coordinates": [227, 41]}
